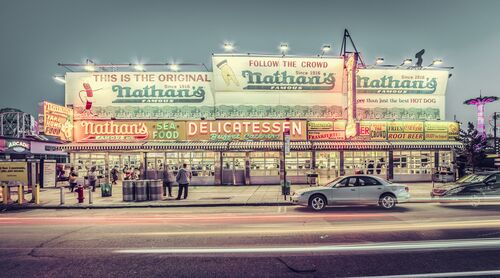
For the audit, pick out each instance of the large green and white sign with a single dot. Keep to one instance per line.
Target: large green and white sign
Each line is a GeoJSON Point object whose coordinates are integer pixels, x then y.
{"type": "Point", "coordinates": [398, 94]}
{"type": "Point", "coordinates": [277, 74]}
{"type": "Point", "coordinates": [402, 82]}
{"type": "Point", "coordinates": [141, 95]}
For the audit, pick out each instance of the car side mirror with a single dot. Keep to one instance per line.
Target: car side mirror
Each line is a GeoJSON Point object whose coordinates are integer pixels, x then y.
{"type": "Point", "coordinates": [490, 182]}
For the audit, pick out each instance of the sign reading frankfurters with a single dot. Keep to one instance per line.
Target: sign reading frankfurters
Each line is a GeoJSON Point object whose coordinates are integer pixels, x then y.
{"type": "Point", "coordinates": [128, 131]}
{"type": "Point", "coordinates": [281, 74]}
{"type": "Point", "coordinates": [233, 130]}
{"type": "Point", "coordinates": [145, 95]}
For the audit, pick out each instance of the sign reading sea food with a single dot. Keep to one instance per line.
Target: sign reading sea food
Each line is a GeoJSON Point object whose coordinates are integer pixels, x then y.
{"type": "Point", "coordinates": [128, 131]}
{"type": "Point", "coordinates": [144, 95]}
{"type": "Point", "coordinates": [56, 120]}
{"type": "Point", "coordinates": [258, 74]}
{"type": "Point", "coordinates": [234, 130]}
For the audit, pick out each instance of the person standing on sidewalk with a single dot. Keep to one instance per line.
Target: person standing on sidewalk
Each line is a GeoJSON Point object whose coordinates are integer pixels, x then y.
{"type": "Point", "coordinates": [168, 180]}
{"type": "Point", "coordinates": [73, 176]}
{"type": "Point", "coordinates": [183, 178]}
{"type": "Point", "coordinates": [92, 177]}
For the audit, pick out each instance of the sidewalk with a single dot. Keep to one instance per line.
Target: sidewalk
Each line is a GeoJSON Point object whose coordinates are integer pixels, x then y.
{"type": "Point", "coordinates": [199, 196]}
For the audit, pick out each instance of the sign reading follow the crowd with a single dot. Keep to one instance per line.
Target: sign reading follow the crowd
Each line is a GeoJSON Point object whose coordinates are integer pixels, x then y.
{"type": "Point", "coordinates": [277, 74]}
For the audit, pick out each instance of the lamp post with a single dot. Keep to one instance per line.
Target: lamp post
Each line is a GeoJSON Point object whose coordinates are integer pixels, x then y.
{"type": "Point", "coordinates": [479, 102]}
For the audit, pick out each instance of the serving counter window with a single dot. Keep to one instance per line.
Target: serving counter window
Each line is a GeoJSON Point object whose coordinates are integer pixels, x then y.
{"type": "Point", "coordinates": [298, 163]}
{"type": "Point", "coordinates": [328, 164]}
{"type": "Point", "coordinates": [84, 161]}
{"type": "Point", "coordinates": [366, 162]}
{"type": "Point", "coordinates": [413, 165]}
{"type": "Point", "coordinates": [264, 164]}
{"type": "Point", "coordinates": [200, 163]}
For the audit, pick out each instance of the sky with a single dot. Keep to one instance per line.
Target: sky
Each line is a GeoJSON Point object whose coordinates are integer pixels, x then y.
{"type": "Point", "coordinates": [36, 35]}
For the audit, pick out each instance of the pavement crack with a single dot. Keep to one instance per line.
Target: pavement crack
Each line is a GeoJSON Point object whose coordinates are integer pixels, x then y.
{"type": "Point", "coordinates": [32, 253]}
{"type": "Point", "coordinates": [295, 269]}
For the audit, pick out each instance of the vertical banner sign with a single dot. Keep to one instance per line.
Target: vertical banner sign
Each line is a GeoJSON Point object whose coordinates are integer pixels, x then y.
{"type": "Point", "coordinates": [351, 68]}
{"type": "Point", "coordinates": [286, 135]}
{"type": "Point", "coordinates": [49, 174]}
{"type": "Point", "coordinates": [56, 120]}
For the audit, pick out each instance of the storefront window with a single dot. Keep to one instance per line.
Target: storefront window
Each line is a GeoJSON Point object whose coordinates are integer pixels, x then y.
{"type": "Point", "coordinates": [445, 160]}
{"type": "Point", "coordinates": [298, 163]}
{"type": "Point", "coordinates": [84, 161]}
{"type": "Point", "coordinates": [366, 162]}
{"type": "Point", "coordinates": [328, 164]}
{"type": "Point", "coordinates": [201, 163]}
{"type": "Point", "coordinates": [413, 162]}
{"type": "Point", "coordinates": [264, 164]}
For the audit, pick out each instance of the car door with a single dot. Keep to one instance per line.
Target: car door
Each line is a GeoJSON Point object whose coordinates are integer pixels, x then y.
{"type": "Point", "coordinates": [345, 191]}
{"type": "Point", "coordinates": [369, 189]}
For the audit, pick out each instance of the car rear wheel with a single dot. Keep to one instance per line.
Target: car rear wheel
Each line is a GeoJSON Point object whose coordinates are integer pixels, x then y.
{"type": "Point", "coordinates": [475, 199]}
{"type": "Point", "coordinates": [387, 201]}
{"type": "Point", "coordinates": [317, 202]}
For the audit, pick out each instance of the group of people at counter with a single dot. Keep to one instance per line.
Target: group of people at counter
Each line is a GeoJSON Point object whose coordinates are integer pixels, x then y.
{"type": "Point", "coordinates": [183, 178]}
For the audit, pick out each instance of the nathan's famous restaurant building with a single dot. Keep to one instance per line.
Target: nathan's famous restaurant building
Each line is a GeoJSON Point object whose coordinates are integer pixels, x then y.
{"type": "Point", "coordinates": [228, 124]}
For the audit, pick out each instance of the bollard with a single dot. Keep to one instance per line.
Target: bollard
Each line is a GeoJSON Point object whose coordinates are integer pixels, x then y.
{"type": "Point", "coordinates": [61, 195]}
{"type": "Point", "coordinates": [91, 201]}
{"type": "Point", "coordinates": [37, 194]}
{"type": "Point", "coordinates": [5, 194]}
{"type": "Point", "coordinates": [20, 194]}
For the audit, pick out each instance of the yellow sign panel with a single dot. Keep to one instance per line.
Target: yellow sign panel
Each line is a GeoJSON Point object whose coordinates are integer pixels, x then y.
{"type": "Point", "coordinates": [14, 171]}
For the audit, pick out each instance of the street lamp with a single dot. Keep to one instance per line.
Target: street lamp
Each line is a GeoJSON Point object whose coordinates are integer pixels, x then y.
{"type": "Point", "coordinates": [407, 62]}
{"type": "Point", "coordinates": [139, 67]}
{"type": "Point", "coordinates": [89, 65]}
{"type": "Point", "coordinates": [325, 49]}
{"type": "Point", "coordinates": [379, 60]}
{"type": "Point", "coordinates": [174, 67]}
{"type": "Point", "coordinates": [228, 46]}
{"type": "Point", "coordinates": [436, 62]}
{"type": "Point", "coordinates": [59, 79]}
{"type": "Point", "coordinates": [283, 48]}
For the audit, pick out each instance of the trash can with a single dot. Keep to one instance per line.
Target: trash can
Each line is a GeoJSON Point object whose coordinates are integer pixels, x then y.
{"type": "Point", "coordinates": [285, 188]}
{"type": "Point", "coordinates": [106, 190]}
{"type": "Point", "coordinates": [128, 191]}
{"type": "Point", "coordinates": [312, 179]}
{"type": "Point", "coordinates": [155, 190]}
{"type": "Point", "coordinates": [141, 190]}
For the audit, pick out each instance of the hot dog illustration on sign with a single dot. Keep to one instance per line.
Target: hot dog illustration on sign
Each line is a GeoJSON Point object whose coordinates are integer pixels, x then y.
{"type": "Point", "coordinates": [87, 99]}
{"type": "Point", "coordinates": [227, 73]}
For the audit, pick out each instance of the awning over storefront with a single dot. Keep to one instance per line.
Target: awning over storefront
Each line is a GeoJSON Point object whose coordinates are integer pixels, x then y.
{"type": "Point", "coordinates": [269, 145]}
{"type": "Point", "coordinates": [100, 146]}
{"type": "Point", "coordinates": [427, 145]}
{"type": "Point", "coordinates": [261, 145]}
{"type": "Point", "coordinates": [214, 146]}
{"type": "Point", "coordinates": [333, 145]}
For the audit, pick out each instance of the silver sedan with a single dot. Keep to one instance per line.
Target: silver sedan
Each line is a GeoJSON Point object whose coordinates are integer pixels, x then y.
{"type": "Point", "coordinates": [358, 189]}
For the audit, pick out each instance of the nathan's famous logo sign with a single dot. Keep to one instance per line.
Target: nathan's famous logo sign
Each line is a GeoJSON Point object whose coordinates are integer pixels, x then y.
{"type": "Point", "coordinates": [86, 91]}
{"type": "Point", "coordinates": [397, 81]}
{"type": "Point", "coordinates": [234, 130]}
{"type": "Point", "coordinates": [56, 120]}
{"type": "Point", "coordinates": [238, 74]}
{"type": "Point", "coordinates": [128, 131]}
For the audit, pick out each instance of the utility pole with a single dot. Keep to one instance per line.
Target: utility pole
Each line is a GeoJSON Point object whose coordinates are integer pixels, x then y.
{"type": "Point", "coordinates": [495, 140]}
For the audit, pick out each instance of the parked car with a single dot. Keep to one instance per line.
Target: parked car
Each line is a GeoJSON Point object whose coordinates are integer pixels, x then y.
{"type": "Point", "coordinates": [357, 189]}
{"type": "Point", "coordinates": [473, 188]}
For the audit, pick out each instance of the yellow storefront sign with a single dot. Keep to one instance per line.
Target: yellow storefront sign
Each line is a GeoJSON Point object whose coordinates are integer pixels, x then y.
{"type": "Point", "coordinates": [14, 171]}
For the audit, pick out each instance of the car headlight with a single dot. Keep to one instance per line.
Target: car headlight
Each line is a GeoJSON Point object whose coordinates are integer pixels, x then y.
{"type": "Point", "coordinates": [454, 191]}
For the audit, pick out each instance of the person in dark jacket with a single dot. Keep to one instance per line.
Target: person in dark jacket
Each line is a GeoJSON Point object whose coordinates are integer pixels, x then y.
{"type": "Point", "coordinates": [183, 178]}
{"type": "Point", "coordinates": [168, 181]}
{"type": "Point", "coordinates": [73, 176]}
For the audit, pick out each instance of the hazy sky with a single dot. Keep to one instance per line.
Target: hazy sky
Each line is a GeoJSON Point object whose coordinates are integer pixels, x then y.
{"type": "Point", "coordinates": [35, 35]}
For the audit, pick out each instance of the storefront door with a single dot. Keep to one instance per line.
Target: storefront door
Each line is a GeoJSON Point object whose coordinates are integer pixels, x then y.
{"type": "Point", "coordinates": [233, 168]}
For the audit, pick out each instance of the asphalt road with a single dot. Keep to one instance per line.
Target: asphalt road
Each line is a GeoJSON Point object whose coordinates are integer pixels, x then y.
{"type": "Point", "coordinates": [413, 239]}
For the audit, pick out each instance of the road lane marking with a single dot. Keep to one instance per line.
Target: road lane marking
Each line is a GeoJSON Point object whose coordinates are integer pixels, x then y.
{"type": "Point", "coordinates": [386, 246]}
{"type": "Point", "coordinates": [441, 274]}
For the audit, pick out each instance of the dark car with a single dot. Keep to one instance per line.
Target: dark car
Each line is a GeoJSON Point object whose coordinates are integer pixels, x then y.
{"type": "Point", "coordinates": [473, 188]}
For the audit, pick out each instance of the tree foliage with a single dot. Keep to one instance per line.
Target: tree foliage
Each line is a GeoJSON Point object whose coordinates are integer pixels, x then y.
{"type": "Point", "coordinates": [475, 145]}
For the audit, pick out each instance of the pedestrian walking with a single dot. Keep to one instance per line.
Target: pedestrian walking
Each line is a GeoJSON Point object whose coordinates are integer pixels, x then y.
{"type": "Point", "coordinates": [114, 174]}
{"type": "Point", "coordinates": [73, 176]}
{"type": "Point", "coordinates": [92, 177]}
{"type": "Point", "coordinates": [183, 178]}
{"type": "Point", "coordinates": [168, 180]}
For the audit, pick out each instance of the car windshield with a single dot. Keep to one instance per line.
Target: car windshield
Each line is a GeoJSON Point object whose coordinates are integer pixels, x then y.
{"type": "Point", "coordinates": [472, 178]}
{"type": "Point", "coordinates": [335, 181]}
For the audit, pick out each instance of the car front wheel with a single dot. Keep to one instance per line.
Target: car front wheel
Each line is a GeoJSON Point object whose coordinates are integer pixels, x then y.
{"type": "Point", "coordinates": [317, 202]}
{"type": "Point", "coordinates": [387, 201]}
